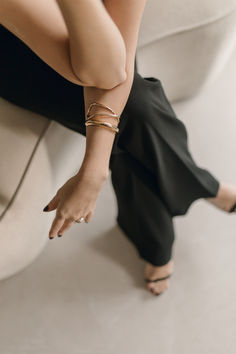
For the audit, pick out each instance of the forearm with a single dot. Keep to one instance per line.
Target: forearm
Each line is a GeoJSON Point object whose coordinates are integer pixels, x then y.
{"type": "Point", "coordinates": [92, 30]}
{"type": "Point", "coordinates": [99, 140]}
{"type": "Point", "coordinates": [127, 16]}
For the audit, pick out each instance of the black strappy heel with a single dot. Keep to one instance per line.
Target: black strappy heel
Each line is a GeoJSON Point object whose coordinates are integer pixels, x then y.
{"type": "Point", "coordinates": [155, 280]}
{"type": "Point", "coordinates": [158, 279]}
{"type": "Point", "coordinates": [233, 209]}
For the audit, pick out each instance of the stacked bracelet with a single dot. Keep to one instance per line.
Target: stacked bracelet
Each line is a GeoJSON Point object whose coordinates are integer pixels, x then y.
{"type": "Point", "coordinates": [103, 124]}
{"type": "Point", "coordinates": [90, 121]}
{"type": "Point", "coordinates": [103, 115]}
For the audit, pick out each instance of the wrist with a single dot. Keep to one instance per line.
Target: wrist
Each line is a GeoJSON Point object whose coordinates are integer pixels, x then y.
{"type": "Point", "coordinates": [97, 163]}
{"type": "Point", "coordinates": [93, 171]}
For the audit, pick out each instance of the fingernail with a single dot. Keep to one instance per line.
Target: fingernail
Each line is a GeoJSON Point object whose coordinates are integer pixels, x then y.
{"type": "Point", "coordinates": [59, 235]}
{"type": "Point", "coordinates": [46, 208]}
{"type": "Point", "coordinates": [51, 237]}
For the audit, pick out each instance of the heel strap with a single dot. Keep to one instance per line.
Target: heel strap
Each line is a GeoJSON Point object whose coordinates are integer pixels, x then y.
{"type": "Point", "coordinates": [158, 279]}
{"type": "Point", "coordinates": [233, 209]}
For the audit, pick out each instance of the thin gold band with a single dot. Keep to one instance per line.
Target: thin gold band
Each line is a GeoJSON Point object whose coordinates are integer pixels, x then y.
{"type": "Point", "coordinates": [103, 124]}
{"type": "Point", "coordinates": [101, 105]}
{"type": "Point", "coordinates": [103, 115]}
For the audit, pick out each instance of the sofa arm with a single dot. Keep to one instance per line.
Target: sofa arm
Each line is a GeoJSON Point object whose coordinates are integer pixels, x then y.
{"type": "Point", "coordinates": [25, 168]}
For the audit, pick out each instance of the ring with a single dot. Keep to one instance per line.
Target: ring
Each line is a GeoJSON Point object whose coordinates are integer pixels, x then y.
{"type": "Point", "coordinates": [80, 220]}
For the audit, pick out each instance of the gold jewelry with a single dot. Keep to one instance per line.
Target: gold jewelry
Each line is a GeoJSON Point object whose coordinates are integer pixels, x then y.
{"type": "Point", "coordinates": [103, 124]}
{"type": "Point", "coordinates": [80, 220]}
{"type": "Point", "coordinates": [101, 105]}
{"type": "Point", "coordinates": [89, 121]}
{"type": "Point", "coordinates": [100, 114]}
{"type": "Point", "coordinates": [103, 115]}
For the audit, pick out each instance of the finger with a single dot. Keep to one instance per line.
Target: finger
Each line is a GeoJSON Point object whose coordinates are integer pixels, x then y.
{"type": "Point", "coordinates": [88, 217]}
{"type": "Point", "coordinates": [56, 225]}
{"type": "Point", "coordinates": [67, 224]}
{"type": "Point", "coordinates": [52, 204]}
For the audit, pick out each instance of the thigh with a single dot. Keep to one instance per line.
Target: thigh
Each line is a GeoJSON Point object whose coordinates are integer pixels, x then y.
{"type": "Point", "coordinates": [41, 26]}
{"type": "Point", "coordinates": [29, 82]}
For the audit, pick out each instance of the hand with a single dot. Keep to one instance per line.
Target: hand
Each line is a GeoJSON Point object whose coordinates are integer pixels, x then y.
{"type": "Point", "coordinates": [75, 199]}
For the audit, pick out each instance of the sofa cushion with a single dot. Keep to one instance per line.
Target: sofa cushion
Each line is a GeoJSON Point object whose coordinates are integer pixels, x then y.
{"type": "Point", "coordinates": [162, 18]}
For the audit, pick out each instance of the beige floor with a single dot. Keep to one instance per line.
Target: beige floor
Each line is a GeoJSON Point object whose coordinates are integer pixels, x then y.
{"type": "Point", "coordinates": [85, 292]}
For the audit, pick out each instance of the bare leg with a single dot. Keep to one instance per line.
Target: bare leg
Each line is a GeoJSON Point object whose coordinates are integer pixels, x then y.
{"type": "Point", "coordinates": [225, 198]}
{"type": "Point", "coordinates": [41, 25]}
{"type": "Point", "coordinates": [153, 272]}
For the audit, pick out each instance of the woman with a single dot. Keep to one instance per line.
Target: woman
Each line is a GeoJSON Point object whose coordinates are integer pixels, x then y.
{"type": "Point", "coordinates": [61, 56]}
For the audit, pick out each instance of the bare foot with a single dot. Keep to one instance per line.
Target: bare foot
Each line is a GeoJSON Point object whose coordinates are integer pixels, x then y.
{"type": "Point", "coordinates": [153, 272]}
{"type": "Point", "coordinates": [226, 197]}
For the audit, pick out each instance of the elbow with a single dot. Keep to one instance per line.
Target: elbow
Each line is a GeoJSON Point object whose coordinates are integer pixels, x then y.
{"type": "Point", "coordinates": [106, 71]}
{"type": "Point", "coordinates": [102, 79]}
{"type": "Point", "coordinates": [111, 80]}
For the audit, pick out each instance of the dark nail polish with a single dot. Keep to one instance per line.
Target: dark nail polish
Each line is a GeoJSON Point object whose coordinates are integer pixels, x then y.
{"type": "Point", "coordinates": [51, 238]}
{"type": "Point", "coordinates": [59, 235]}
{"type": "Point", "coordinates": [46, 208]}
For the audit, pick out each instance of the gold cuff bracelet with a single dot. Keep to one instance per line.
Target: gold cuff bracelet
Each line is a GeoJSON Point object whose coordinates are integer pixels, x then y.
{"type": "Point", "coordinates": [90, 121]}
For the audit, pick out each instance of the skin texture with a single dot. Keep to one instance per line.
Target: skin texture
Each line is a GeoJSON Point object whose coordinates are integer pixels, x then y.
{"type": "Point", "coordinates": [92, 30]}
{"type": "Point", "coordinates": [69, 47]}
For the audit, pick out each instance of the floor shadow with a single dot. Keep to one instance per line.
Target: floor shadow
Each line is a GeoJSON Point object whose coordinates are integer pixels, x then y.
{"type": "Point", "coordinates": [115, 246]}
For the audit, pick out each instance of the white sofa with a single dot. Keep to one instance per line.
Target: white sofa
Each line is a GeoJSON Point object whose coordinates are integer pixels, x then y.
{"type": "Point", "coordinates": [185, 44]}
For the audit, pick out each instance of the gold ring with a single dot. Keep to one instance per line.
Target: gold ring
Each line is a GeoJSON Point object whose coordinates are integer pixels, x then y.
{"type": "Point", "coordinates": [80, 220]}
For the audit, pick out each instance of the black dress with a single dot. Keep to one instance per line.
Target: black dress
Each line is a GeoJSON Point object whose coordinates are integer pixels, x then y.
{"type": "Point", "coordinates": [152, 171]}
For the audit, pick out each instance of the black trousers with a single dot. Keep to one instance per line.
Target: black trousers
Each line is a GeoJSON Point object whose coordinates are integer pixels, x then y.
{"type": "Point", "coordinates": [152, 171]}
